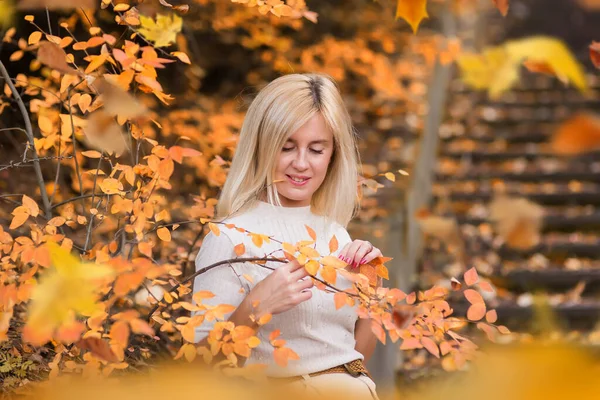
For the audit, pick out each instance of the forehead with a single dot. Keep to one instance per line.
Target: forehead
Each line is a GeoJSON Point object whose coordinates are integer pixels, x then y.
{"type": "Point", "coordinates": [315, 130]}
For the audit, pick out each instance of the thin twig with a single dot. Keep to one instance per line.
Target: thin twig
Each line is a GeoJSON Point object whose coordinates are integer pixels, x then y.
{"type": "Point", "coordinates": [27, 162]}
{"type": "Point", "coordinates": [239, 260]}
{"type": "Point", "coordinates": [29, 132]}
{"type": "Point", "coordinates": [89, 231]}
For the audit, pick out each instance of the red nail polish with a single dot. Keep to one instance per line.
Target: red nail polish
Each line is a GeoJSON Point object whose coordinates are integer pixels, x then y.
{"type": "Point", "coordinates": [362, 261]}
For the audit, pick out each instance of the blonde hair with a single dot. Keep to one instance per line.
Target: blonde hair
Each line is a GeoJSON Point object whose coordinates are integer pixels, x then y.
{"type": "Point", "coordinates": [279, 109]}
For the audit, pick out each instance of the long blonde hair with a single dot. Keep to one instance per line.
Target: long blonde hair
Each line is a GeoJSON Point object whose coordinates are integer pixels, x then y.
{"type": "Point", "coordinates": [279, 109]}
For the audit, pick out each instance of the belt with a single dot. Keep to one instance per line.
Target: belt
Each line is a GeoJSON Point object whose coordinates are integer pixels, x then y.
{"type": "Point", "coordinates": [354, 368]}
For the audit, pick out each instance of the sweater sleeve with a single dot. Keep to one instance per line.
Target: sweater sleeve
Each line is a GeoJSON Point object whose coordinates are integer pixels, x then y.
{"type": "Point", "coordinates": [223, 281]}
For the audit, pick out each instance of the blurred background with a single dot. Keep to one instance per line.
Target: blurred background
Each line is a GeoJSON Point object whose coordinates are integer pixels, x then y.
{"type": "Point", "coordinates": [507, 184]}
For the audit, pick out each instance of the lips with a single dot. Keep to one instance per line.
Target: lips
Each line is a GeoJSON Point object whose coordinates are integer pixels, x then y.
{"type": "Point", "coordinates": [295, 183]}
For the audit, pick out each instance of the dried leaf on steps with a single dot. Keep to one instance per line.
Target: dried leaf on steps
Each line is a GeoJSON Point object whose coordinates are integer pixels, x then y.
{"type": "Point", "coordinates": [579, 134]}
{"type": "Point", "coordinates": [595, 53]}
{"type": "Point", "coordinates": [443, 228]}
{"type": "Point", "coordinates": [412, 11]}
{"type": "Point", "coordinates": [55, 57]}
{"type": "Point", "coordinates": [517, 220]}
{"type": "Point", "coordinates": [98, 347]}
{"type": "Point", "coordinates": [103, 133]}
{"type": "Point", "coordinates": [56, 4]}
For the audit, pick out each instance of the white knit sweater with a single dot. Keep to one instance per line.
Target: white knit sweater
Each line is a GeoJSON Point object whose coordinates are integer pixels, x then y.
{"type": "Point", "coordinates": [322, 336]}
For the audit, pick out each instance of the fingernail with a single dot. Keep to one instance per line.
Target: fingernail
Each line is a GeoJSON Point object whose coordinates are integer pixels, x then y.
{"type": "Point", "coordinates": [362, 261]}
{"type": "Point", "coordinates": [340, 257]}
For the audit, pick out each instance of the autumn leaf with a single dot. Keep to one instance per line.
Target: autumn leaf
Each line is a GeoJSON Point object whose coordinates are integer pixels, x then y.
{"type": "Point", "coordinates": [333, 244]}
{"type": "Point", "coordinates": [103, 133]}
{"type": "Point", "coordinates": [412, 11]}
{"type": "Point", "coordinates": [497, 69]}
{"type": "Point", "coordinates": [55, 57]}
{"type": "Point", "coordinates": [578, 134]}
{"type": "Point", "coordinates": [595, 54]}
{"type": "Point", "coordinates": [517, 220]}
{"type": "Point", "coordinates": [69, 286]}
{"type": "Point", "coordinates": [163, 31]}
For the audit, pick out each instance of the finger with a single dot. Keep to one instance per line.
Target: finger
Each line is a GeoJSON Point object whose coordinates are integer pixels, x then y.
{"type": "Point", "coordinates": [304, 295]}
{"type": "Point", "coordinates": [342, 255]}
{"type": "Point", "coordinates": [356, 245]}
{"type": "Point", "coordinates": [294, 266]}
{"type": "Point", "coordinates": [360, 256]}
{"type": "Point", "coordinates": [370, 256]}
{"type": "Point", "coordinates": [299, 273]}
{"type": "Point", "coordinates": [304, 284]}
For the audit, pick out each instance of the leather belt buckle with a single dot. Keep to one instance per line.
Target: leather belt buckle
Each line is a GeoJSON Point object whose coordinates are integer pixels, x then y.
{"type": "Point", "coordinates": [352, 371]}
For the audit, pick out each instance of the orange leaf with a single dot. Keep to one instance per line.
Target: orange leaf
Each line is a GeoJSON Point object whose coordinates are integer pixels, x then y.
{"type": "Point", "coordinates": [412, 11]}
{"type": "Point", "coordinates": [340, 300]}
{"type": "Point", "coordinates": [312, 267]}
{"type": "Point", "coordinates": [578, 134]}
{"type": "Point", "coordinates": [31, 205]}
{"type": "Point", "coordinates": [476, 312]}
{"type": "Point", "coordinates": [333, 244]}
{"type": "Point", "coordinates": [329, 275]}
{"type": "Point", "coordinates": [473, 296]}
{"type": "Point", "coordinates": [164, 234]}
{"type": "Point", "coordinates": [491, 316]}
{"type": "Point", "coordinates": [239, 249]}
{"type": "Point", "coordinates": [119, 332]}
{"type": "Point", "coordinates": [378, 330]}
{"type": "Point", "coordinates": [502, 6]}
{"type": "Point", "coordinates": [430, 346]}
{"type": "Point", "coordinates": [455, 283]}
{"type": "Point", "coordinates": [214, 229]}
{"type": "Point", "coordinates": [256, 239]}
{"type": "Point", "coordinates": [311, 232]}
{"type": "Point", "coordinates": [98, 347]}
{"type": "Point", "coordinates": [18, 220]}
{"type": "Point", "coordinates": [411, 344]}
{"type": "Point", "coordinates": [182, 57]}
{"type": "Point", "coordinates": [595, 54]}
{"type": "Point", "coordinates": [91, 154]}
{"type": "Point", "coordinates": [486, 287]}
{"type": "Point", "coordinates": [471, 277]}
{"type": "Point", "coordinates": [34, 38]}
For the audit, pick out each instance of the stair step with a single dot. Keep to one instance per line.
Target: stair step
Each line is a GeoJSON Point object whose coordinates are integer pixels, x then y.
{"type": "Point", "coordinates": [541, 176]}
{"type": "Point", "coordinates": [580, 198]}
{"type": "Point", "coordinates": [478, 156]}
{"type": "Point", "coordinates": [553, 277]}
{"type": "Point", "coordinates": [582, 316]}
{"type": "Point", "coordinates": [551, 222]}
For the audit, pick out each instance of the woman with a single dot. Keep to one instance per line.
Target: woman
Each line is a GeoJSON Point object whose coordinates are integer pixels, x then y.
{"type": "Point", "coordinates": [296, 164]}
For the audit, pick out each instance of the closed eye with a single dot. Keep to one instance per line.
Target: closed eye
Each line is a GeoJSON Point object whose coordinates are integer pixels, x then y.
{"type": "Point", "coordinates": [314, 151]}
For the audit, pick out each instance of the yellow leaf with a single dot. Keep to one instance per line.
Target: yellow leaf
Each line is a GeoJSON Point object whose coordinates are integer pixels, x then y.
{"type": "Point", "coordinates": [309, 252]}
{"type": "Point", "coordinates": [497, 69]}
{"type": "Point", "coordinates": [329, 275]}
{"type": "Point", "coordinates": [239, 249]}
{"type": "Point", "coordinates": [162, 32]}
{"type": "Point", "coordinates": [390, 176]}
{"type": "Point", "coordinates": [164, 234]}
{"type": "Point", "coordinates": [412, 11]}
{"type": "Point", "coordinates": [69, 286]}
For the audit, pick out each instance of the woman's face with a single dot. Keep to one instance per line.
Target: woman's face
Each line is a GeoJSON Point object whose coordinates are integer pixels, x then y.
{"type": "Point", "coordinates": [306, 156]}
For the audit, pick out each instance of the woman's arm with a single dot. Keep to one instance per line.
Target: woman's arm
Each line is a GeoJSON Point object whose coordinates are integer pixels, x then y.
{"type": "Point", "coordinates": [366, 341]}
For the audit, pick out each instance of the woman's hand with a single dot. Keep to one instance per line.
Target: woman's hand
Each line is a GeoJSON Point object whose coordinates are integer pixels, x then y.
{"type": "Point", "coordinates": [359, 252]}
{"type": "Point", "coordinates": [284, 288]}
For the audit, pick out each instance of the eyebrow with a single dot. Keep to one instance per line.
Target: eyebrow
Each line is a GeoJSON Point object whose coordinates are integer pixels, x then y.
{"type": "Point", "coordinates": [320, 141]}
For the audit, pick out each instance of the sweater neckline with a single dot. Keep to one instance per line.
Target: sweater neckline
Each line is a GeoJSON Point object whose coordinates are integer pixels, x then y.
{"type": "Point", "coordinates": [270, 209]}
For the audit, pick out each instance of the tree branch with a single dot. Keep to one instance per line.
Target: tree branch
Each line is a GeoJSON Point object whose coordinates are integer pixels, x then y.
{"type": "Point", "coordinates": [29, 132]}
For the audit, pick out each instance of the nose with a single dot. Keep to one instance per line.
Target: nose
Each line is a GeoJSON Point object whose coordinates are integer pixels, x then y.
{"type": "Point", "coordinates": [300, 162]}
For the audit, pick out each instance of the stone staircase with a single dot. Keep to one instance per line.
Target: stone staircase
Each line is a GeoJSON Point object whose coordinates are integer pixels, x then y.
{"type": "Point", "coordinates": [497, 147]}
